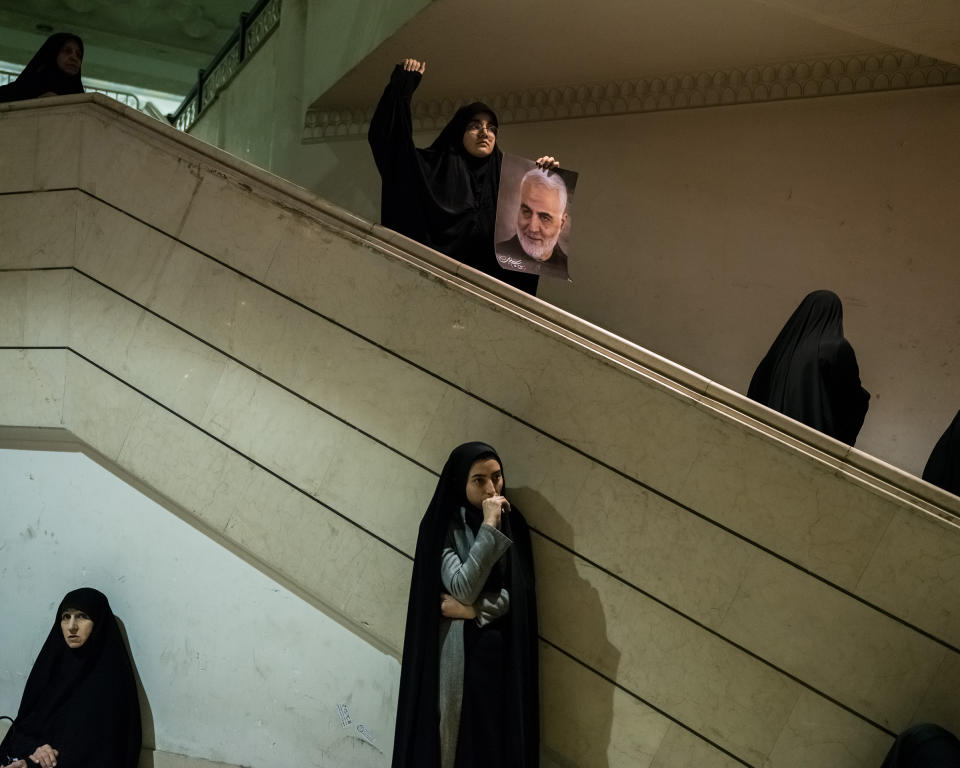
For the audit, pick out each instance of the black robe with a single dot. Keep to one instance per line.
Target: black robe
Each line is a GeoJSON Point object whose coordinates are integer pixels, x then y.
{"type": "Point", "coordinates": [924, 746]}
{"type": "Point", "coordinates": [517, 710]}
{"type": "Point", "coordinates": [440, 196]}
{"type": "Point", "coordinates": [943, 466]}
{"type": "Point", "coordinates": [42, 75]}
{"type": "Point", "coordinates": [82, 701]}
{"type": "Point", "coordinates": [811, 374]}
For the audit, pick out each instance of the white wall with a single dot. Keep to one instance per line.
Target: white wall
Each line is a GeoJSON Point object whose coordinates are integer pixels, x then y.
{"type": "Point", "coordinates": [235, 668]}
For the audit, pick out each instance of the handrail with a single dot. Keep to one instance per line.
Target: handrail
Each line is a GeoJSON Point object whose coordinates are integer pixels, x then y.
{"type": "Point", "coordinates": [255, 27]}
{"type": "Point", "coordinates": [124, 97]}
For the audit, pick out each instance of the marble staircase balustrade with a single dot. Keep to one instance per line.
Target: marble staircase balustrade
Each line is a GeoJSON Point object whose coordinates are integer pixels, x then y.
{"type": "Point", "coordinates": [718, 585]}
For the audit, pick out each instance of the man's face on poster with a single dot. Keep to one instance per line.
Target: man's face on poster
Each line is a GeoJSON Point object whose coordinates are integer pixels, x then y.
{"type": "Point", "coordinates": [539, 219]}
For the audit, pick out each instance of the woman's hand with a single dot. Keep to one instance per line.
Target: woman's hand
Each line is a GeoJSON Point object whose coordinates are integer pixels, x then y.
{"type": "Point", "coordinates": [45, 755]}
{"type": "Point", "coordinates": [18, 764]}
{"type": "Point", "coordinates": [493, 508]}
{"type": "Point", "coordinates": [547, 163]}
{"type": "Point", "coordinates": [412, 65]}
{"type": "Point", "coordinates": [452, 608]}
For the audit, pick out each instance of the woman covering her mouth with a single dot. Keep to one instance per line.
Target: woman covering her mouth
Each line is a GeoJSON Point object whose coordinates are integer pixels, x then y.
{"type": "Point", "coordinates": [79, 708]}
{"type": "Point", "coordinates": [444, 196]}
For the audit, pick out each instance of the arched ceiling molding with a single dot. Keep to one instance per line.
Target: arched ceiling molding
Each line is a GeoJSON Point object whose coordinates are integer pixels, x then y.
{"type": "Point", "coordinates": [883, 71]}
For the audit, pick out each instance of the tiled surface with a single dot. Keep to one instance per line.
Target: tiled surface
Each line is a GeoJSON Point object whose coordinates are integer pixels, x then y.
{"type": "Point", "coordinates": [576, 432]}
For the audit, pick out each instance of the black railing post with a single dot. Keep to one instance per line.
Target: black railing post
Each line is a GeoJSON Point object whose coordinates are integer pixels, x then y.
{"type": "Point", "coordinates": [244, 21]}
{"type": "Point", "coordinates": [200, 76]}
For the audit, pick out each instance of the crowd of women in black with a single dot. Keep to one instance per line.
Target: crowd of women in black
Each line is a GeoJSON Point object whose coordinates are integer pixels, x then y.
{"type": "Point", "coordinates": [469, 677]}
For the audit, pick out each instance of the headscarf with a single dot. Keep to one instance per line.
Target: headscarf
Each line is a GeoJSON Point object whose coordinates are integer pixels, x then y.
{"type": "Point", "coordinates": [943, 466]}
{"type": "Point", "coordinates": [811, 374]}
{"type": "Point", "coordinates": [924, 746]}
{"type": "Point", "coordinates": [81, 701]}
{"type": "Point", "coordinates": [416, 743]}
{"type": "Point", "coordinates": [42, 75]}
{"type": "Point", "coordinates": [441, 196]}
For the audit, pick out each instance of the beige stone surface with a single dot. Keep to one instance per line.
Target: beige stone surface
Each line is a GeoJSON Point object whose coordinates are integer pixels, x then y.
{"type": "Point", "coordinates": [39, 230]}
{"type": "Point", "coordinates": [819, 733]}
{"type": "Point", "coordinates": [305, 432]}
{"type": "Point", "coordinates": [915, 565]}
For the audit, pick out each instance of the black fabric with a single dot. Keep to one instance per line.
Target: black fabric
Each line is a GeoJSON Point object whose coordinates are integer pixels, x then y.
{"type": "Point", "coordinates": [440, 196]}
{"type": "Point", "coordinates": [82, 701]}
{"type": "Point", "coordinates": [513, 638]}
{"type": "Point", "coordinates": [924, 746]}
{"type": "Point", "coordinates": [943, 466]}
{"type": "Point", "coordinates": [42, 75]}
{"type": "Point", "coordinates": [811, 374]}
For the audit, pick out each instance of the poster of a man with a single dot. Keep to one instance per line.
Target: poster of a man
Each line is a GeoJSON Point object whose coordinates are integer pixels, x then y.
{"type": "Point", "coordinates": [533, 218]}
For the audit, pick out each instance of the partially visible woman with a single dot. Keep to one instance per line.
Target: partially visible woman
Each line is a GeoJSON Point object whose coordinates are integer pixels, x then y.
{"type": "Point", "coordinates": [924, 746]}
{"type": "Point", "coordinates": [943, 466]}
{"type": "Point", "coordinates": [54, 70]}
{"type": "Point", "coordinates": [79, 708]}
{"type": "Point", "coordinates": [810, 373]}
{"type": "Point", "coordinates": [444, 196]}
{"type": "Point", "coordinates": [469, 684]}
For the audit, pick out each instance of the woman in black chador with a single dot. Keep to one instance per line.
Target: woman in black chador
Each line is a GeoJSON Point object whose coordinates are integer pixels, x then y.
{"type": "Point", "coordinates": [924, 746]}
{"type": "Point", "coordinates": [469, 690]}
{"type": "Point", "coordinates": [444, 196]}
{"type": "Point", "coordinates": [811, 374]}
{"type": "Point", "coordinates": [943, 466]}
{"type": "Point", "coordinates": [54, 70]}
{"type": "Point", "coordinates": [79, 707]}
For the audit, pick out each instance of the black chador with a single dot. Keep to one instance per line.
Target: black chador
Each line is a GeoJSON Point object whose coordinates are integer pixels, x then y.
{"type": "Point", "coordinates": [943, 466]}
{"type": "Point", "coordinates": [440, 196]}
{"type": "Point", "coordinates": [811, 374]}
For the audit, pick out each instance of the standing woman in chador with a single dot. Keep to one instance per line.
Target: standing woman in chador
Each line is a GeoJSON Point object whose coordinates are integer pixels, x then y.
{"type": "Point", "coordinates": [444, 196]}
{"type": "Point", "coordinates": [469, 684]}
{"type": "Point", "coordinates": [811, 373]}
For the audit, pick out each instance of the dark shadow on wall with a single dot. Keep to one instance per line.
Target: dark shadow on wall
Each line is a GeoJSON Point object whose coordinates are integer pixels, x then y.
{"type": "Point", "coordinates": [146, 713]}
{"type": "Point", "coordinates": [576, 702]}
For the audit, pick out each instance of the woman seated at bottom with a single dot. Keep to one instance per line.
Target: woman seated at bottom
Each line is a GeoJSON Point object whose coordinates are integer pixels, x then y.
{"type": "Point", "coordinates": [469, 693]}
{"type": "Point", "coordinates": [79, 707]}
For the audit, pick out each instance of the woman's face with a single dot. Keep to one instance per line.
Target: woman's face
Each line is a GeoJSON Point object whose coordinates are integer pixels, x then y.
{"type": "Point", "coordinates": [484, 481]}
{"type": "Point", "coordinates": [70, 58]}
{"type": "Point", "coordinates": [480, 136]}
{"type": "Point", "coordinates": [76, 627]}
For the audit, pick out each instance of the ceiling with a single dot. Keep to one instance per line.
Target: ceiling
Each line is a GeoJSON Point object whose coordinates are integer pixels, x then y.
{"type": "Point", "coordinates": [500, 46]}
{"type": "Point", "coordinates": [497, 46]}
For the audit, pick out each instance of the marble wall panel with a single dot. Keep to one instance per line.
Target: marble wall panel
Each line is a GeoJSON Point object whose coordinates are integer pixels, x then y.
{"type": "Point", "coordinates": [682, 749]}
{"type": "Point", "coordinates": [125, 165]}
{"type": "Point", "coordinates": [34, 307]}
{"type": "Point", "coordinates": [101, 322]}
{"type": "Point", "coordinates": [803, 509]}
{"type": "Point", "coordinates": [717, 690]}
{"type": "Point", "coordinates": [32, 383]}
{"type": "Point", "coordinates": [57, 160]}
{"type": "Point", "coordinates": [914, 570]}
{"type": "Point", "coordinates": [819, 733]}
{"type": "Point", "coordinates": [589, 721]}
{"type": "Point", "coordinates": [234, 224]}
{"type": "Point", "coordinates": [119, 250]}
{"type": "Point", "coordinates": [39, 229]}
{"type": "Point", "coordinates": [940, 704]}
{"type": "Point", "coordinates": [871, 663]}
{"type": "Point", "coordinates": [19, 137]}
{"type": "Point", "coordinates": [201, 476]}
{"type": "Point", "coordinates": [98, 409]}
{"type": "Point", "coordinates": [338, 563]}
